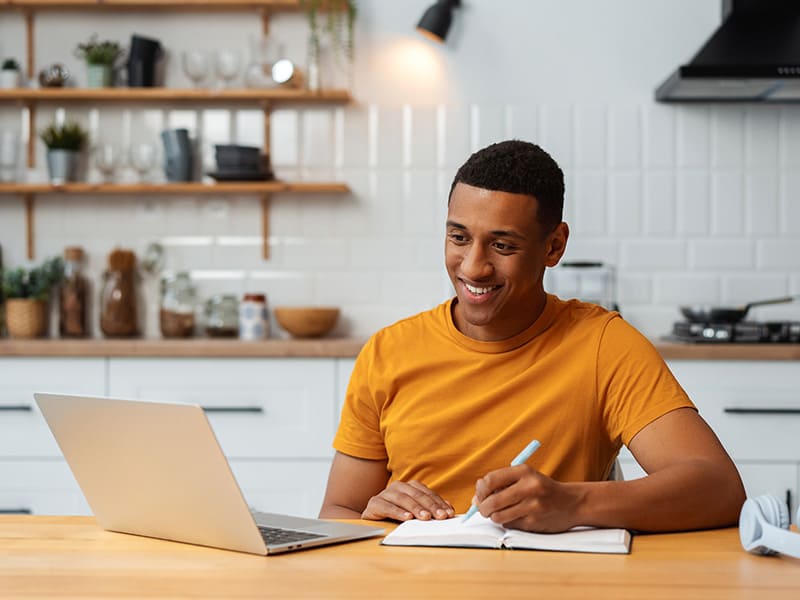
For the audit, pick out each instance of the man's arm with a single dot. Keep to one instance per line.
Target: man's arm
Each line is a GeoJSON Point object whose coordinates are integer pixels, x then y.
{"type": "Point", "coordinates": [691, 484]}
{"type": "Point", "coordinates": [357, 490]}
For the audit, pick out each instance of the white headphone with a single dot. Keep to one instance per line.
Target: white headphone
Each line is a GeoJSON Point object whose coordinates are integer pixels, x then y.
{"type": "Point", "coordinates": [763, 527]}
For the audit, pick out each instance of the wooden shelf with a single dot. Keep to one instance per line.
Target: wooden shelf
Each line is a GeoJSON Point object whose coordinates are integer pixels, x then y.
{"type": "Point", "coordinates": [189, 188]}
{"type": "Point", "coordinates": [262, 189]}
{"type": "Point", "coordinates": [264, 98]}
{"type": "Point", "coordinates": [161, 94]}
{"type": "Point", "coordinates": [185, 5]}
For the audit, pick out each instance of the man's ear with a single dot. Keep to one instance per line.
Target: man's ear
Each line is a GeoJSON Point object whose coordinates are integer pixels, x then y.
{"type": "Point", "coordinates": [556, 244]}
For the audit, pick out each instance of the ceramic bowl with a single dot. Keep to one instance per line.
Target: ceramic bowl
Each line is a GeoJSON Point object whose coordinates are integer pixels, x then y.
{"type": "Point", "coordinates": [307, 321]}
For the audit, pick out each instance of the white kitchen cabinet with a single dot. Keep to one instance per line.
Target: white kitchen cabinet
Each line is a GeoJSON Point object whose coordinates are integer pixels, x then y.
{"type": "Point", "coordinates": [274, 419]}
{"type": "Point", "coordinates": [33, 475]}
{"type": "Point", "coordinates": [754, 408]}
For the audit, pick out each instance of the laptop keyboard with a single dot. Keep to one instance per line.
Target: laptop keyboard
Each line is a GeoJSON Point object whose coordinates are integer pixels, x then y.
{"type": "Point", "coordinates": [275, 535]}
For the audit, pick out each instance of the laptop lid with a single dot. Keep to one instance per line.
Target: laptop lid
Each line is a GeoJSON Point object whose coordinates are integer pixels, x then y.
{"type": "Point", "coordinates": [156, 469]}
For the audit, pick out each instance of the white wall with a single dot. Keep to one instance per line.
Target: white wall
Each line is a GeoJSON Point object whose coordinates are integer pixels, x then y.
{"type": "Point", "coordinates": [690, 203]}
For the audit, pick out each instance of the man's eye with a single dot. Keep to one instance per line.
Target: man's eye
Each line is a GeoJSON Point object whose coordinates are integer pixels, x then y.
{"type": "Point", "coordinates": [503, 247]}
{"type": "Point", "coordinates": [457, 237]}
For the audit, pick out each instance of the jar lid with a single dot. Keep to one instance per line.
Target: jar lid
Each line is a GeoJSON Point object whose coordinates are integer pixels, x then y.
{"type": "Point", "coordinates": [73, 253]}
{"type": "Point", "coordinates": [255, 298]}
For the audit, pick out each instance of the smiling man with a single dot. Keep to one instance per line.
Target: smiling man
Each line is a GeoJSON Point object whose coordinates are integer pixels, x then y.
{"type": "Point", "coordinates": [439, 402]}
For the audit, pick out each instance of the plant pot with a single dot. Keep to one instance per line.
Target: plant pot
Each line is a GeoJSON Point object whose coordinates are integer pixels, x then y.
{"type": "Point", "coordinates": [98, 76]}
{"type": "Point", "coordinates": [26, 318]}
{"type": "Point", "coordinates": [62, 165]}
{"type": "Point", "coordinates": [9, 79]}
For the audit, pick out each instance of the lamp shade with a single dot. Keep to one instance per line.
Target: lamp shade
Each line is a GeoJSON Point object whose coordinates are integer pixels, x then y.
{"type": "Point", "coordinates": [435, 22]}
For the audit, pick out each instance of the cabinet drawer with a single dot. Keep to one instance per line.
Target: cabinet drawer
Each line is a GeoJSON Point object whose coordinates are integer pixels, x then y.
{"type": "Point", "coordinates": [40, 487]}
{"type": "Point", "coordinates": [257, 408]}
{"type": "Point", "coordinates": [778, 479]}
{"type": "Point", "coordinates": [288, 487]}
{"type": "Point", "coordinates": [754, 407]}
{"type": "Point", "coordinates": [23, 431]}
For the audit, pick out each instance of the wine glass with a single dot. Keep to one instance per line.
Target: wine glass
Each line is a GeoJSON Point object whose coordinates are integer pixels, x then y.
{"type": "Point", "coordinates": [106, 159]}
{"type": "Point", "coordinates": [227, 64]}
{"type": "Point", "coordinates": [143, 159]}
{"type": "Point", "coordinates": [195, 65]}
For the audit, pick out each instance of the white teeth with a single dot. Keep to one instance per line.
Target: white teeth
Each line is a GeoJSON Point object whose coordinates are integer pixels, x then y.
{"type": "Point", "coordinates": [478, 291]}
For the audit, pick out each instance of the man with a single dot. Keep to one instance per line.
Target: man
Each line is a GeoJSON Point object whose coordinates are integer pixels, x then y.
{"type": "Point", "coordinates": [450, 396]}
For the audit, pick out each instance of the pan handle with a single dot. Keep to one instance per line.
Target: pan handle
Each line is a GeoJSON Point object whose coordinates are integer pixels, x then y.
{"type": "Point", "coordinates": [749, 305]}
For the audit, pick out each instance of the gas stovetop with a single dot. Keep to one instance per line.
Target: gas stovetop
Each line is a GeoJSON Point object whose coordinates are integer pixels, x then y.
{"type": "Point", "coordinates": [752, 332]}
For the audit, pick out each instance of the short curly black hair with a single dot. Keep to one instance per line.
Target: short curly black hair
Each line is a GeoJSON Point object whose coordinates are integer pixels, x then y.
{"type": "Point", "coordinates": [517, 167]}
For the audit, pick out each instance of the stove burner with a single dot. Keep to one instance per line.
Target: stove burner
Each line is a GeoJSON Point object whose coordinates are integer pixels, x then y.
{"type": "Point", "coordinates": [773, 332]}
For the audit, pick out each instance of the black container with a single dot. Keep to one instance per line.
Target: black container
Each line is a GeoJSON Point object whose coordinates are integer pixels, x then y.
{"type": "Point", "coordinates": [231, 156]}
{"type": "Point", "coordinates": [144, 54]}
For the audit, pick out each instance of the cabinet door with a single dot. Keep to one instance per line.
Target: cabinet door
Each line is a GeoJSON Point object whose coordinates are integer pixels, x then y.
{"type": "Point", "coordinates": [283, 486]}
{"type": "Point", "coordinates": [23, 431]}
{"type": "Point", "coordinates": [40, 487]}
{"type": "Point", "coordinates": [752, 406]}
{"type": "Point", "coordinates": [344, 368]}
{"type": "Point", "coordinates": [778, 479]}
{"type": "Point", "coordinates": [258, 408]}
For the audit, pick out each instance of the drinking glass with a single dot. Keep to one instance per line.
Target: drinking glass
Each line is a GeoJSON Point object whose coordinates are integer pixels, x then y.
{"type": "Point", "coordinates": [228, 63]}
{"type": "Point", "coordinates": [195, 65]}
{"type": "Point", "coordinates": [143, 159]}
{"type": "Point", "coordinates": [106, 159]}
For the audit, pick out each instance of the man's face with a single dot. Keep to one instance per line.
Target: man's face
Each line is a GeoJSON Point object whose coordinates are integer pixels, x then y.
{"type": "Point", "coordinates": [496, 253]}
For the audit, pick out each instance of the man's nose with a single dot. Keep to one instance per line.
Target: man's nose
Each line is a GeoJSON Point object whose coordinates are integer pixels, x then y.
{"type": "Point", "coordinates": [477, 263]}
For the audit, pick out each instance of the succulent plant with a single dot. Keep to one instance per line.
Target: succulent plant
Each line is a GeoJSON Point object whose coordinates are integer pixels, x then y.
{"type": "Point", "coordinates": [95, 52]}
{"type": "Point", "coordinates": [35, 283]}
{"type": "Point", "coordinates": [10, 64]}
{"type": "Point", "coordinates": [65, 136]}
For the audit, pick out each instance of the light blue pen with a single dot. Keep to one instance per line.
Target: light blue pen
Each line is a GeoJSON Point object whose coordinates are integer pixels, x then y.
{"type": "Point", "coordinates": [520, 458]}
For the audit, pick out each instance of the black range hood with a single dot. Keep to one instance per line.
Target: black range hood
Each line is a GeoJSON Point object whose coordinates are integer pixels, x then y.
{"type": "Point", "coordinates": [754, 56]}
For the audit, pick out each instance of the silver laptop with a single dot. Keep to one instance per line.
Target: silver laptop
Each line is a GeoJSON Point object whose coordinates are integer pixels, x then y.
{"type": "Point", "coordinates": [156, 469]}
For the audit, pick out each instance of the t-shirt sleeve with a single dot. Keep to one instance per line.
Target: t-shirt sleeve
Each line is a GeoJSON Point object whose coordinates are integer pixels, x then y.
{"type": "Point", "coordinates": [359, 433]}
{"type": "Point", "coordinates": [634, 383]}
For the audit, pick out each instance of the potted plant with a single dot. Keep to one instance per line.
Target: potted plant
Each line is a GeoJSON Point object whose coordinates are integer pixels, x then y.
{"type": "Point", "coordinates": [9, 74]}
{"type": "Point", "coordinates": [64, 143]}
{"type": "Point", "coordinates": [333, 34]}
{"type": "Point", "coordinates": [27, 294]}
{"type": "Point", "coordinates": [100, 58]}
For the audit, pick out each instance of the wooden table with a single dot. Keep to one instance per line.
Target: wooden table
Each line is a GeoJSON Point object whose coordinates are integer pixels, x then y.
{"type": "Point", "coordinates": [70, 557]}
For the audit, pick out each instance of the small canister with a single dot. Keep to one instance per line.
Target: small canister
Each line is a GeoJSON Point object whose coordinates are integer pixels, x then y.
{"type": "Point", "coordinates": [253, 319]}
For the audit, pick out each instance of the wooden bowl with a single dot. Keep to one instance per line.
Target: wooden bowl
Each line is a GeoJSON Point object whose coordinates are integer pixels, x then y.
{"type": "Point", "coordinates": [307, 321]}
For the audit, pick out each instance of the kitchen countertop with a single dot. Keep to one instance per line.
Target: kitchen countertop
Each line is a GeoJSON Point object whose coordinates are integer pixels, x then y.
{"type": "Point", "coordinates": [188, 348]}
{"type": "Point", "coordinates": [328, 348]}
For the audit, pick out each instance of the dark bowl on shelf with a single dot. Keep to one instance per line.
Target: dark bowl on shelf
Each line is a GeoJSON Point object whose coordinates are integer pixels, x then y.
{"type": "Point", "coordinates": [231, 156]}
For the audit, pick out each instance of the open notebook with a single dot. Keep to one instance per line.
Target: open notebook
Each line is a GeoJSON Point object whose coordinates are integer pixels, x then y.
{"type": "Point", "coordinates": [480, 532]}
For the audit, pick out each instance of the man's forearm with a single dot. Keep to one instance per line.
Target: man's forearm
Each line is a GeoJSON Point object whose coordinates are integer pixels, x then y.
{"type": "Point", "coordinates": [695, 494]}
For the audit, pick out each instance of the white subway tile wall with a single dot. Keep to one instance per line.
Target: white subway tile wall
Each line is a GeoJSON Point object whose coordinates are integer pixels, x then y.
{"type": "Point", "coordinates": [691, 204]}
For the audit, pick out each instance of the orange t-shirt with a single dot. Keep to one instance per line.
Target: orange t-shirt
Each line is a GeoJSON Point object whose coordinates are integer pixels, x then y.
{"type": "Point", "coordinates": [446, 409]}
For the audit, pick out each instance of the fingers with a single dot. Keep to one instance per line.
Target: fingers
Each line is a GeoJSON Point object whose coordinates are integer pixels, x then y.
{"type": "Point", "coordinates": [402, 501]}
{"type": "Point", "coordinates": [508, 494]}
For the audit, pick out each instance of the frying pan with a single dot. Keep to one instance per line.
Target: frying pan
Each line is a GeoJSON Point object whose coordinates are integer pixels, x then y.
{"type": "Point", "coordinates": [704, 313]}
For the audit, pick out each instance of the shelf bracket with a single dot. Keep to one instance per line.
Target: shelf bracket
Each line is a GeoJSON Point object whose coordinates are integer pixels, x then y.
{"type": "Point", "coordinates": [29, 224]}
{"type": "Point", "coordinates": [265, 203]}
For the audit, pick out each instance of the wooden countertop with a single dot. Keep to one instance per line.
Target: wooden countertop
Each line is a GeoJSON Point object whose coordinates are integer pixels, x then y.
{"type": "Point", "coordinates": [328, 348]}
{"type": "Point", "coordinates": [71, 557]}
{"type": "Point", "coordinates": [190, 348]}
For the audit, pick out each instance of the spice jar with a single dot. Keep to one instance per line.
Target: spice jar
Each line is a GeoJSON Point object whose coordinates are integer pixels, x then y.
{"type": "Point", "coordinates": [73, 296]}
{"type": "Point", "coordinates": [178, 300]}
{"type": "Point", "coordinates": [253, 320]}
{"type": "Point", "coordinates": [118, 316]}
{"type": "Point", "coordinates": [222, 316]}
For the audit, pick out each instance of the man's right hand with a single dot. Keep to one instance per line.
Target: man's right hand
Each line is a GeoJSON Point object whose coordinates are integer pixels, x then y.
{"type": "Point", "coordinates": [403, 501]}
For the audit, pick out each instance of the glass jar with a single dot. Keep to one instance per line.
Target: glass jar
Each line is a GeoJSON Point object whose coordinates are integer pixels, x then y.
{"type": "Point", "coordinates": [222, 316]}
{"type": "Point", "coordinates": [118, 317]}
{"type": "Point", "coordinates": [253, 320]}
{"type": "Point", "coordinates": [73, 296]}
{"type": "Point", "coordinates": [178, 301]}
